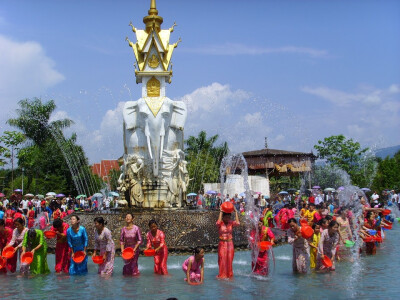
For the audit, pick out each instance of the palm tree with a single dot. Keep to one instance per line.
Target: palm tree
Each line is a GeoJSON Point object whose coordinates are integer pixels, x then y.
{"type": "Point", "coordinates": [34, 120]}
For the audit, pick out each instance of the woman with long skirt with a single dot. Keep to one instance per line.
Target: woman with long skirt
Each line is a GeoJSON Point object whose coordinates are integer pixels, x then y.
{"type": "Point", "coordinates": [327, 245]}
{"type": "Point", "coordinates": [156, 240]}
{"type": "Point", "coordinates": [16, 242]}
{"type": "Point", "coordinates": [104, 244]}
{"type": "Point", "coordinates": [261, 266]}
{"type": "Point", "coordinates": [31, 217]}
{"type": "Point", "coordinates": [9, 216]}
{"type": "Point", "coordinates": [226, 251]}
{"type": "Point", "coordinates": [5, 238]}
{"type": "Point", "coordinates": [131, 237]}
{"type": "Point", "coordinates": [34, 242]}
{"type": "Point", "coordinates": [63, 252]}
{"type": "Point", "coordinates": [301, 248]}
{"type": "Point", "coordinates": [78, 241]}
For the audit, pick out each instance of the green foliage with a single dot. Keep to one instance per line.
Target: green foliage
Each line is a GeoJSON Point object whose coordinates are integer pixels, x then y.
{"type": "Point", "coordinates": [204, 160]}
{"type": "Point", "coordinates": [347, 155]}
{"type": "Point", "coordinates": [34, 120]}
{"type": "Point", "coordinates": [113, 179]}
{"type": "Point", "coordinates": [51, 162]}
{"type": "Point", "coordinates": [388, 174]}
{"type": "Point", "coordinates": [12, 141]}
{"type": "Point", "coordinates": [282, 183]}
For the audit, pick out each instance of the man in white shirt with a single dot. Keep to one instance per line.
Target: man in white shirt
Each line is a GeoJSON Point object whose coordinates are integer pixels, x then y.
{"type": "Point", "coordinates": [319, 199]}
{"type": "Point", "coordinates": [24, 203]}
{"type": "Point", "coordinates": [375, 197]}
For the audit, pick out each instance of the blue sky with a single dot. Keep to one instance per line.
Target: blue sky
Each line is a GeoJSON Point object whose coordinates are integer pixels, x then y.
{"type": "Point", "coordinates": [294, 71]}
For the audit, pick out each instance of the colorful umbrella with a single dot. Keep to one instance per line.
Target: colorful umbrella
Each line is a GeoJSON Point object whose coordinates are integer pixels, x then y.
{"type": "Point", "coordinates": [18, 190]}
{"type": "Point", "coordinates": [191, 194]}
{"type": "Point", "coordinates": [114, 194]}
{"type": "Point", "coordinates": [60, 195]}
{"type": "Point", "coordinates": [211, 192]}
{"type": "Point", "coordinates": [80, 196]}
{"type": "Point", "coordinates": [316, 187]}
{"type": "Point", "coordinates": [2, 195]}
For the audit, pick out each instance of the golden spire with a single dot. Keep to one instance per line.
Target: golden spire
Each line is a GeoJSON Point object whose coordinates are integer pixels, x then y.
{"type": "Point", "coordinates": [153, 19]}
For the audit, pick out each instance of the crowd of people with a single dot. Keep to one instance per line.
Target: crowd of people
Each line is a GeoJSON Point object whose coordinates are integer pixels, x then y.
{"type": "Point", "coordinates": [331, 230]}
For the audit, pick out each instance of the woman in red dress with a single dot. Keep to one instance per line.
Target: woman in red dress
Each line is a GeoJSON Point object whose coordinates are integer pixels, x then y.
{"type": "Point", "coordinates": [9, 216]}
{"type": "Point", "coordinates": [226, 251]}
{"type": "Point", "coordinates": [370, 223]}
{"type": "Point", "coordinates": [5, 238]}
{"type": "Point", "coordinates": [156, 239]}
{"type": "Point", "coordinates": [260, 264]}
{"type": "Point", "coordinates": [63, 252]}
{"type": "Point", "coordinates": [31, 217]}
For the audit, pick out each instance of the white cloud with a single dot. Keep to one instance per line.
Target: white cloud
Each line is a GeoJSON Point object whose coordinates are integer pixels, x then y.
{"type": "Point", "coordinates": [368, 115]}
{"type": "Point", "coordinates": [241, 49]}
{"type": "Point", "coordinates": [26, 71]}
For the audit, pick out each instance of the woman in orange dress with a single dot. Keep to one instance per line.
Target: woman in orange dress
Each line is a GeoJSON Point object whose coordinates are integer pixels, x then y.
{"type": "Point", "coordinates": [226, 250]}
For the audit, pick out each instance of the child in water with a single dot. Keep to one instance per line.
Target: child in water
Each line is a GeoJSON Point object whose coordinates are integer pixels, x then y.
{"type": "Point", "coordinates": [193, 267]}
{"type": "Point", "coordinates": [314, 245]}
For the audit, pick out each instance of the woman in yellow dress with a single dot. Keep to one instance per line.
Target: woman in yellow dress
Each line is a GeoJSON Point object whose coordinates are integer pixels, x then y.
{"type": "Point", "coordinates": [314, 245]}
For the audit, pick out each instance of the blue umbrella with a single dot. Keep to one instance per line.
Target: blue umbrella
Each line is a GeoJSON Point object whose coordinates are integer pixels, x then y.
{"type": "Point", "coordinates": [211, 192]}
{"type": "Point", "coordinates": [114, 194]}
{"type": "Point", "coordinates": [242, 194]}
{"type": "Point", "coordinates": [18, 190]}
{"type": "Point", "coordinates": [191, 194]}
{"type": "Point", "coordinates": [60, 195]}
{"type": "Point", "coordinates": [283, 192]}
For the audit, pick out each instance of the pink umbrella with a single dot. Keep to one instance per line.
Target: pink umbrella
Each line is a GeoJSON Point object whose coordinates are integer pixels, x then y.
{"type": "Point", "coordinates": [2, 195]}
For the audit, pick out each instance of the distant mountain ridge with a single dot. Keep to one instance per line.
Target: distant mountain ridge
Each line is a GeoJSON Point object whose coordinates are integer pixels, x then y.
{"type": "Point", "coordinates": [389, 151]}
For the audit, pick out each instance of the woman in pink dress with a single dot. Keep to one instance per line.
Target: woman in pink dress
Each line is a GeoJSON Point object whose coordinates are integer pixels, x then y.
{"type": "Point", "coordinates": [261, 267]}
{"type": "Point", "coordinates": [130, 237]}
{"type": "Point", "coordinates": [226, 250]}
{"type": "Point", "coordinates": [104, 244]}
{"type": "Point", "coordinates": [327, 245]}
{"type": "Point", "coordinates": [193, 267]}
{"type": "Point", "coordinates": [63, 252]}
{"type": "Point", "coordinates": [16, 242]}
{"type": "Point", "coordinates": [156, 239]}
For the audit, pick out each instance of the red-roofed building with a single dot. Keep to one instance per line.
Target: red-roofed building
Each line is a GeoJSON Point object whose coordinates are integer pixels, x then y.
{"type": "Point", "coordinates": [103, 168]}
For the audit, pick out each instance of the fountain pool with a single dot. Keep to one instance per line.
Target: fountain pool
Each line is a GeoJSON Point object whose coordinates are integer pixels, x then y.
{"type": "Point", "coordinates": [377, 279]}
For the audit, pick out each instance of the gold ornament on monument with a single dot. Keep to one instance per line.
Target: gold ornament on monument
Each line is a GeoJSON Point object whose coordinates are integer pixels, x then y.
{"type": "Point", "coordinates": [153, 87]}
{"type": "Point", "coordinates": [153, 62]}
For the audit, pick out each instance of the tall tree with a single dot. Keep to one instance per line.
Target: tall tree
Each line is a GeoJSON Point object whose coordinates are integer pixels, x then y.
{"type": "Point", "coordinates": [204, 159]}
{"type": "Point", "coordinates": [33, 119]}
{"type": "Point", "coordinates": [347, 155]}
{"type": "Point", "coordinates": [13, 141]}
{"type": "Point", "coordinates": [388, 173]}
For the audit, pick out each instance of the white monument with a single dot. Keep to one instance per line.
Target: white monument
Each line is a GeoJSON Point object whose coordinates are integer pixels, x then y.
{"type": "Point", "coordinates": [154, 172]}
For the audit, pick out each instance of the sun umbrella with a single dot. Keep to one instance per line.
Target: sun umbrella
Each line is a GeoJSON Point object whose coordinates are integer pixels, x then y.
{"type": "Point", "coordinates": [50, 194]}
{"type": "Point", "coordinates": [316, 187]}
{"type": "Point", "coordinates": [291, 190]}
{"type": "Point", "coordinates": [257, 193]}
{"type": "Point", "coordinates": [2, 195]}
{"type": "Point", "coordinates": [191, 194]}
{"type": "Point", "coordinates": [98, 195]}
{"type": "Point", "coordinates": [60, 195]}
{"type": "Point", "coordinates": [242, 194]}
{"type": "Point", "coordinates": [211, 192]}
{"type": "Point", "coordinates": [266, 197]}
{"type": "Point", "coordinates": [114, 194]}
{"type": "Point", "coordinates": [283, 193]}
{"type": "Point", "coordinates": [365, 189]}
{"type": "Point", "coordinates": [329, 190]}
{"type": "Point", "coordinates": [18, 190]}
{"type": "Point", "coordinates": [80, 196]}
{"type": "Point", "coordinates": [340, 188]}
{"type": "Point", "coordinates": [40, 196]}
{"type": "Point", "coordinates": [29, 195]}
